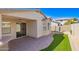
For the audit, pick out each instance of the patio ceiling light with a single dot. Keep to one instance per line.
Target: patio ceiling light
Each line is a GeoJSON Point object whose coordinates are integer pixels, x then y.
{"type": "Point", "coordinates": [19, 19]}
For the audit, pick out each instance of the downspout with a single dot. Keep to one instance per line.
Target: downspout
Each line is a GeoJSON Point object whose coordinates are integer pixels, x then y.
{"type": "Point", "coordinates": [59, 25]}
{"type": "Point", "coordinates": [0, 27]}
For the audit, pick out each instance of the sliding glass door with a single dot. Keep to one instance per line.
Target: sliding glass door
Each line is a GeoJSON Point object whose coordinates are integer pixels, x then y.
{"type": "Point", "coordinates": [20, 29]}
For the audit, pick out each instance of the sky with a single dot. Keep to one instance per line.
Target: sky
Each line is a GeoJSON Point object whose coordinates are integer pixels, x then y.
{"type": "Point", "coordinates": [56, 13]}
{"type": "Point", "coordinates": [61, 12]}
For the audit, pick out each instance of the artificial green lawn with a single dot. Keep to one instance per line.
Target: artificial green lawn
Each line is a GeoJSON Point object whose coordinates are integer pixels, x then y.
{"type": "Point", "coordinates": [60, 43]}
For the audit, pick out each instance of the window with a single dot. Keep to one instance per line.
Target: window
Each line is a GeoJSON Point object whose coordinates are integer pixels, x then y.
{"type": "Point", "coordinates": [18, 27]}
{"type": "Point", "coordinates": [6, 27]}
{"type": "Point", "coordinates": [44, 27]}
{"type": "Point", "coordinates": [48, 26]}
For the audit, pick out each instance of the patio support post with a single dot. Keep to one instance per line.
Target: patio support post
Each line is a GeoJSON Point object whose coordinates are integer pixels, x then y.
{"type": "Point", "coordinates": [39, 32]}
{"type": "Point", "coordinates": [0, 27]}
{"type": "Point", "coordinates": [13, 30]}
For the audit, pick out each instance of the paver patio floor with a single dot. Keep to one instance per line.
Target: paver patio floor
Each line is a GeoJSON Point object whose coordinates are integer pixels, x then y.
{"type": "Point", "coordinates": [29, 43]}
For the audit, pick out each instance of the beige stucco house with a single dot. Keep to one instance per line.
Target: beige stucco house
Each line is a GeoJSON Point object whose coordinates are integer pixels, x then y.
{"type": "Point", "coordinates": [18, 23]}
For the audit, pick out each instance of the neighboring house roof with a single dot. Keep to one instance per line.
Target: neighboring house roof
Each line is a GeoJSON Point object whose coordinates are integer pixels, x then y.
{"type": "Point", "coordinates": [62, 19]}
{"type": "Point", "coordinates": [59, 23]}
{"type": "Point", "coordinates": [54, 23]}
{"type": "Point", "coordinates": [72, 20]}
{"type": "Point", "coordinates": [66, 19]}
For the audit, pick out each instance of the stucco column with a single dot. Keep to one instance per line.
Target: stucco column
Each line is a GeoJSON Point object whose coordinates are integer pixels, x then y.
{"type": "Point", "coordinates": [39, 28]}
{"type": "Point", "coordinates": [0, 27]}
{"type": "Point", "coordinates": [13, 30]}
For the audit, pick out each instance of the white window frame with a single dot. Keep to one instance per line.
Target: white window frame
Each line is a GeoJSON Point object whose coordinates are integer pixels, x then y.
{"type": "Point", "coordinates": [6, 25]}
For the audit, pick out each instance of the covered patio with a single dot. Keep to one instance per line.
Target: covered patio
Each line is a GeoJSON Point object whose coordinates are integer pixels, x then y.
{"type": "Point", "coordinates": [26, 30]}
{"type": "Point", "coordinates": [30, 43]}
